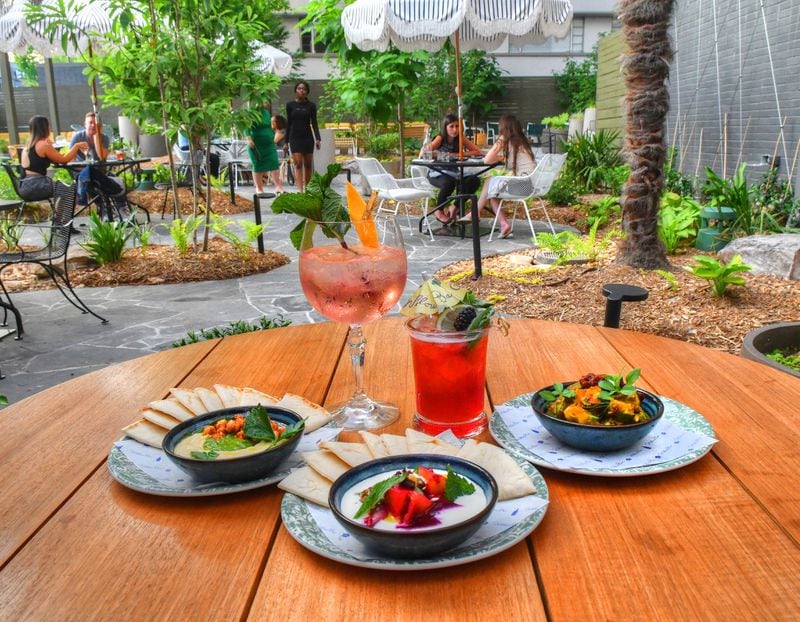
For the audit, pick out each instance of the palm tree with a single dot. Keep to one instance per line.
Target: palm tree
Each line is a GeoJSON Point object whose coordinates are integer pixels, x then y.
{"type": "Point", "coordinates": [646, 66]}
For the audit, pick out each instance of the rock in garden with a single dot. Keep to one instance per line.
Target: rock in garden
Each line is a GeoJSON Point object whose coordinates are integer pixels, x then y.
{"type": "Point", "coordinates": [777, 254]}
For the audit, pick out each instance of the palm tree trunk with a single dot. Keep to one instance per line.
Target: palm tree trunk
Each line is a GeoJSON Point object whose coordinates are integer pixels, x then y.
{"type": "Point", "coordinates": [646, 66]}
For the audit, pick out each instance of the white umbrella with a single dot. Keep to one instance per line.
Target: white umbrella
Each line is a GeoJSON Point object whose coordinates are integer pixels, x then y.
{"type": "Point", "coordinates": [18, 33]}
{"type": "Point", "coordinates": [470, 24]}
{"type": "Point", "coordinates": [274, 60]}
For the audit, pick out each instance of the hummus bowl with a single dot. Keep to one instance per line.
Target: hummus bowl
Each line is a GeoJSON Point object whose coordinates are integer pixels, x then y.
{"type": "Point", "coordinates": [445, 529]}
{"type": "Point", "coordinates": [238, 466]}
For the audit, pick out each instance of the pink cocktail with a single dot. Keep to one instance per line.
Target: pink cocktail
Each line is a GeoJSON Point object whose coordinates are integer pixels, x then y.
{"type": "Point", "coordinates": [354, 281]}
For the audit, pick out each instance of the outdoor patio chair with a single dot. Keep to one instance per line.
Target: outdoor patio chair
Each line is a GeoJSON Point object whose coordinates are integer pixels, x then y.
{"type": "Point", "coordinates": [60, 230]}
{"type": "Point", "coordinates": [14, 174]}
{"type": "Point", "coordinates": [419, 177]}
{"type": "Point", "coordinates": [399, 192]}
{"type": "Point", "coordinates": [184, 173]}
{"type": "Point", "coordinates": [492, 132]}
{"type": "Point", "coordinates": [534, 132]}
{"type": "Point", "coordinates": [534, 186]}
{"type": "Point", "coordinates": [241, 168]}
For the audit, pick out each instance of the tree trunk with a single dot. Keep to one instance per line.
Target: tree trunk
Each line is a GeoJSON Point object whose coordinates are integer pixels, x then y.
{"type": "Point", "coordinates": [646, 66]}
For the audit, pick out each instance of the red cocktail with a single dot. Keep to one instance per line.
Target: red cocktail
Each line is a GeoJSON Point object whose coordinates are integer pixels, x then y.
{"type": "Point", "coordinates": [449, 376]}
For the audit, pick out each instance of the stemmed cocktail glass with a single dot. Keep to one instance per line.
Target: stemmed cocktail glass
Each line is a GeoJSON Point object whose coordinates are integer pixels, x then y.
{"type": "Point", "coordinates": [355, 272]}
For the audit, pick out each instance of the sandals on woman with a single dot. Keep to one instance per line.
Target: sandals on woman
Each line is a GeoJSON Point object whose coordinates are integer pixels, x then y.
{"type": "Point", "coordinates": [444, 223]}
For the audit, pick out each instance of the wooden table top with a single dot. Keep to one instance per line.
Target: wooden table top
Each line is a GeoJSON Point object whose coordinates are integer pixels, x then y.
{"type": "Point", "coordinates": [717, 539]}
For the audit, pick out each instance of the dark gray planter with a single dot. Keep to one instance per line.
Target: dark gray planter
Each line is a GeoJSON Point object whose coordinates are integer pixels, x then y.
{"type": "Point", "coordinates": [781, 336]}
{"type": "Point", "coordinates": [152, 145]}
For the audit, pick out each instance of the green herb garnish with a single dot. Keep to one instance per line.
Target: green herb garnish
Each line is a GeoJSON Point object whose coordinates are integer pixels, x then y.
{"type": "Point", "coordinates": [229, 442]}
{"type": "Point", "coordinates": [319, 203]}
{"type": "Point", "coordinates": [258, 426]}
{"type": "Point", "coordinates": [204, 455]}
{"type": "Point", "coordinates": [559, 390]}
{"type": "Point", "coordinates": [456, 486]}
{"type": "Point", "coordinates": [377, 492]}
{"type": "Point", "coordinates": [612, 386]}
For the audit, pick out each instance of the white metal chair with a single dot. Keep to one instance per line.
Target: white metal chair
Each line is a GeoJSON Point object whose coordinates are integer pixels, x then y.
{"type": "Point", "coordinates": [396, 191]}
{"type": "Point", "coordinates": [241, 168]}
{"type": "Point", "coordinates": [533, 186]}
{"type": "Point", "coordinates": [419, 177]}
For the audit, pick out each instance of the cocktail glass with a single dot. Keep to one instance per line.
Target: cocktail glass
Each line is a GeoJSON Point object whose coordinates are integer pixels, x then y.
{"type": "Point", "coordinates": [449, 376]}
{"type": "Point", "coordinates": [353, 283]}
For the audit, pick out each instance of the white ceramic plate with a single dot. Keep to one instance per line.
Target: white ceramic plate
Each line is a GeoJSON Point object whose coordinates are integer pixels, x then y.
{"type": "Point", "coordinates": [301, 525]}
{"type": "Point", "coordinates": [131, 476]}
{"type": "Point", "coordinates": [679, 414]}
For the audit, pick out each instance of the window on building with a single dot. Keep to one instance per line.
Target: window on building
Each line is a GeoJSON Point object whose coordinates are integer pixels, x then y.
{"type": "Point", "coordinates": [309, 45]}
{"type": "Point", "coordinates": [571, 44]}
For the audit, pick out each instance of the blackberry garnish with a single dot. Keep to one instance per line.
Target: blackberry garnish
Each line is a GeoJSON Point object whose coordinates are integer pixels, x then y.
{"type": "Point", "coordinates": [464, 318]}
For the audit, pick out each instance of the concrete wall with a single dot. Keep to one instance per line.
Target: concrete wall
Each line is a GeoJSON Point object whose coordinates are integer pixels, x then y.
{"type": "Point", "coordinates": [726, 88]}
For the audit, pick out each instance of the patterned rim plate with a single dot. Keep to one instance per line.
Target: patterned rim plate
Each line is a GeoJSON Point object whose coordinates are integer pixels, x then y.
{"type": "Point", "coordinates": [678, 413]}
{"type": "Point", "coordinates": [131, 476]}
{"type": "Point", "coordinates": [303, 528]}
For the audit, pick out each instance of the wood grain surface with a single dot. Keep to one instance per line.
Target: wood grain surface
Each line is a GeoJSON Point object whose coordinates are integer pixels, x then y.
{"type": "Point", "coordinates": [717, 539]}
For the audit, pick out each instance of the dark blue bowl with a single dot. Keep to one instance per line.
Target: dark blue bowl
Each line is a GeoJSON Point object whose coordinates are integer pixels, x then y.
{"type": "Point", "coordinates": [413, 544]}
{"type": "Point", "coordinates": [233, 470]}
{"type": "Point", "coordinates": [599, 437]}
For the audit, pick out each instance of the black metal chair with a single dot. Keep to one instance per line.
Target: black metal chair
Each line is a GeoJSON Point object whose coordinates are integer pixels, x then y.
{"type": "Point", "coordinates": [15, 176]}
{"type": "Point", "coordinates": [60, 231]}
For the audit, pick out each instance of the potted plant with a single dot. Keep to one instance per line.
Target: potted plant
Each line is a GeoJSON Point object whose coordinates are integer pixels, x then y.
{"type": "Point", "coordinates": [152, 143]}
{"type": "Point", "coordinates": [776, 345]}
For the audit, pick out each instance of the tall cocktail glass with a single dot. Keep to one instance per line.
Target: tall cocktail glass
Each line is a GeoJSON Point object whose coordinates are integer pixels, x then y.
{"type": "Point", "coordinates": [354, 283]}
{"type": "Point", "coordinates": [449, 377]}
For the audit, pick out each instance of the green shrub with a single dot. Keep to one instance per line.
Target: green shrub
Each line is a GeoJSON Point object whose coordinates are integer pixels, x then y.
{"type": "Point", "coordinates": [568, 245]}
{"type": "Point", "coordinates": [219, 183]}
{"type": "Point", "coordinates": [63, 175]}
{"type": "Point", "coordinates": [225, 229]}
{"type": "Point", "coordinates": [563, 191]}
{"type": "Point", "coordinates": [775, 197]}
{"type": "Point", "coordinates": [559, 121]}
{"type": "Point", "coordinates": [590, 158]}
{"type": "Point", "coordinates": [602, 210]}
{"type": "Point", "coordinates": [782, 358]}
{"type": "Point", "coordinates": [142, 235]}
{"type": "Point", "coordinates": [678, 219]}
{"type": "Point", "coordinates": [674, 181]}
{"type": "Point", "coordinates": [615, 177]}
{"type": "Point", "coordinates": [721, 275]}
{"type": "Point", "coordinates": [669, 278]}
{"type": "Point", "coordinates": [106, 239]}
{"type": "Point", "coordinates": [383, 146]}
{"type": "Point", "coordinates": [182, 231]}
{"type": "Point", "coordinates": [160, 173]}
{"type": "Point", "coordinates": [737, 194]}
{"type": "Point", "coordinates": [233, 328]}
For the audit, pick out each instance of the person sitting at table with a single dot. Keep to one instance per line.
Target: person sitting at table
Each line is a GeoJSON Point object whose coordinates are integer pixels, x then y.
{"type": "Point", "coordinates": [447, 141]}
{"type": "Point", "coordinates": [214, 159]}
{"type": "Point", "coordinates": [513, 148]}
{"type": "Point", "coordinates": [36, 158]}
{"type": "Point", "coordinates": [278, 123]}
{"type": "Point", "coordinates": [92, 180]}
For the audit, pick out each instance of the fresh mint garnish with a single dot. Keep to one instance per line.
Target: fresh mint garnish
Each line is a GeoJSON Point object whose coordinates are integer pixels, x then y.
{"type": "Point", "coordinates": [229, 442]}
{"type": "Point", "coordinates": [292, 431]}
{"type": "Point", "coordinates": [258, 426]}
{"type": "Point", "coordinates": [558, 391]}
{"type": "Point", "coordinates": [611, 385]}
{"type": "Point", "coordinates": [377, 492]}
{"type": "Point", "coordinates": [455, 486]}
{"type": "Point", "coordinates": [319, 203]}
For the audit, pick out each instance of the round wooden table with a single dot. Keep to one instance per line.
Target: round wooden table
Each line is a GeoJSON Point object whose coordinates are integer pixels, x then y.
{"type": "Point", "coordinates": [717, 539]}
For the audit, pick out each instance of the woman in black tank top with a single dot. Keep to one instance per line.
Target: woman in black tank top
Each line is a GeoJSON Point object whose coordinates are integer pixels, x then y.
{"type": "Point", "coordinates": [37, 157]}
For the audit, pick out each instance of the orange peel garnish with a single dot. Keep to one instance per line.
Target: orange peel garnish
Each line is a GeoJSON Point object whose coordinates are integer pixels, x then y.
{"type": "Point", "coordinates": [361, 216]}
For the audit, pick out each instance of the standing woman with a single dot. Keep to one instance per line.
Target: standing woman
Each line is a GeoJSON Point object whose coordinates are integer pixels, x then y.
{"type": "Point", "coordinates": [302, 130]}
{"type": "Point", "coordinates": [37, 157]}
{"type": "Point", "coordinates": [262, 151]}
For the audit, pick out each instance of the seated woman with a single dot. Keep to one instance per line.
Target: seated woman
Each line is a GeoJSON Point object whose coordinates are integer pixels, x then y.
{"type": "Point", "coordinates": [513, 148]}
{"type": "Point", "coordinates": [447, 141]}
{"type": "Point", "coordinates": [37, 156]}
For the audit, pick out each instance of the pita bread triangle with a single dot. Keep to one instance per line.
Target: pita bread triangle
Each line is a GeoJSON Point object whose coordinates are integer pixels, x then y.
{"type": "Point", "coordinates": [512, 481]}
{"type": "Point", "coordinates": [351, 453]}
{"type": "Point", "coordinates": [209, 398]}
{"type": "Point", "coordinates": [395, 444]}
{"type": "Point", "coordinates": [374, 444]}
{"type": "Point", "coordinates": [159, 418]}
{"type": "Point", "coordinates": [189, 400]}
{"type": "Point", "coordinates": [314, 415]}
{"type": "Point", "coordinates": [325, 463]}
{"type": "Point", "coordinates": [173, 408]}
{"type": "Point", "coordinates": [146, 432]}
{"type": "Point", "coordinates": [419, 442]}
{"type": "Point", "coordinates": [308, 484]}
{"type": "Point", "coordinates": [228, 395]}
{"type": "Point", "coordinates": [253, 397]}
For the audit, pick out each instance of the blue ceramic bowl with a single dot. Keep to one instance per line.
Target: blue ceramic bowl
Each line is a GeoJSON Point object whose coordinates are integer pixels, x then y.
{"type": "Point", "coordinates": [413, 544]}
{"type": "Point", "coordinates": [599, 437]}
{"type": "Point", "coordinates": [233, 470]}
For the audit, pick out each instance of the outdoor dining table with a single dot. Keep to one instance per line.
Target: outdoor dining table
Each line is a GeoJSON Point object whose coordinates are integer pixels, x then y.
{"type": "Point", "coordinates": [716, 539]}
{"type": "Point", "coordinates": [463, 167]}
{"type": "Point", "coordinates": [113, 165]}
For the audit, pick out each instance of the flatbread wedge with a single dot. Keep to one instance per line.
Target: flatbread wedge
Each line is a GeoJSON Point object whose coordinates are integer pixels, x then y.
{"type": "Point", "coordinates": [395, 444]}
{"type": "Point", "coordinates": [512, 481]}
{"type": "Point", "coordinates": [189, 400]}
{"type": "Point", "coordinates": [325, 463]}
{"type": "Point", "coordinates": [253, 397]}
{"type": "Point", "coordinates": [351, 453]}
{"type": "Point", "coordinates": [228, 395]}
{"type": "Point", "coordinates": [419, 442]}
{"type": "Point", "coordinates": [159, 418]}
{"type": "Point", "coordinates": [146, 432]}
{"type": "Point", "coordinates": [308, 484]}
{"type": "Point", "coordinates": [314, 415]}
{"type": "Point", "coordinates": [209, 398]}
{"type": "Point", "coordinates": [173, 408]}
{"type": "Point", "coordinates": [374, 444]}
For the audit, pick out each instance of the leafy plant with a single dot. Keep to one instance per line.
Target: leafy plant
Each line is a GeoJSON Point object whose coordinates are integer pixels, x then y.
{"type": "Point", "coordinates": [721, 275]}
{"type": "Point", "coordinates": [225, 229]}
{"type": "Point", "coordinates": [220, 182]}
{"type": "Point", "coordinates": [737, 194]}
{"type": "Point", "coordinates": [182, 231]}
{"type": "Point", "coordinates": [590, 158]}
{"type": "Point", "coordinates": [602, 210]}
{"type": "Point", "coordinates": [160, 173]}
{"type": "Point", "coordinates": [319, 203]}
{"type": "Point", "coordinates": [106, 240]}
{"type": "Point", "coordinates": [10, 232]}
{"type": "Point", "coordinates": [63, 175]}
{"type": "Point", "coordinates": [775, 197]}
{"type": "Point", "coordinates": [563, 191]}
{"type": "Point", "coordinates": [142, 235]}
{"type": "Point", "coordinates": [3, 400]}
{"type": "Point", "coordinates": [557, 122]}
{"type": "Point", "coordinates": [674, 180]}
{"type": "Point", "coordinates": [567, 245]}
{"type": "Point", "coordinates": [678, 219]}
{"type": "Point", "coordinates": [669, 278]}
{"type": "Point", "coordinates": [615, 177]}
{"type": "Point", "coordinates": [233, 328]}
{"type": "Point", "coordinates": [577, 83]}
{"type": "Point", "coordinates": [383, 146]}
{"type": "Point", "coordinates": [784, 358]}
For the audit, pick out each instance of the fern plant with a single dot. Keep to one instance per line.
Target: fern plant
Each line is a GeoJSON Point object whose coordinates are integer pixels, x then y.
{"type": "Point", "coordinates": [602, 210]}
{"type": "Point", "coordinates": [233, 328]}
{"type": "Point", "coordinates": [182, 230]}
{"type": "Point", "coordinates": [567, 245]}
{"type": "Point", "coordinates": [678, 220]}
{"type": "Point", "coordinates": [721, 275]}
{"type": "Point", "coordinates": [225, 229]}
{"type": "Point", "coordinates": [106, 240]}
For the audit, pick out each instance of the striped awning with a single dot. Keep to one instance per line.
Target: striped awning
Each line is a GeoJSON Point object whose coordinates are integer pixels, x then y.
{"type": "Point", "coordinates": [426, 24]}
{"type": "Point", "coordinates": [274, 60]}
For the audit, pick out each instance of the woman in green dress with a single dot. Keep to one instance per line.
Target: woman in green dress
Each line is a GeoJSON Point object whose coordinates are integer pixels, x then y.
{"type": "Point", "coordinates": [262, 152]}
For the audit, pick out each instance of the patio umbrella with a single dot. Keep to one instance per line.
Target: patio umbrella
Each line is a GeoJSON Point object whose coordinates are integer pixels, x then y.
{"type": "Point", "coordinates": [274, 60]}
{"type": "Point", "coordinates": [469, 24]}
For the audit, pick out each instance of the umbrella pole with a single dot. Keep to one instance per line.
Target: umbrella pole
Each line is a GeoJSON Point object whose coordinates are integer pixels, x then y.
{"type": "Point", "coordinates": [458, 96]}
{"type": "Point", "coordinates": [98, 136]}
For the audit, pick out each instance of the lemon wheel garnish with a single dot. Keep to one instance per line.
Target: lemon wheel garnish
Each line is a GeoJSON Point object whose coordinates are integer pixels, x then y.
{"type": "Point", "coordinates": [447, 318]}
{"type": "Point", "coordinates": [361, 216]}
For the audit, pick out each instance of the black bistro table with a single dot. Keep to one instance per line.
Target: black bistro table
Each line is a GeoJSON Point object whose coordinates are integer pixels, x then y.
{"type": "Point", "coordinates": [469, 166]}
{"type": "Point", "coordinates": [113, 165]}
